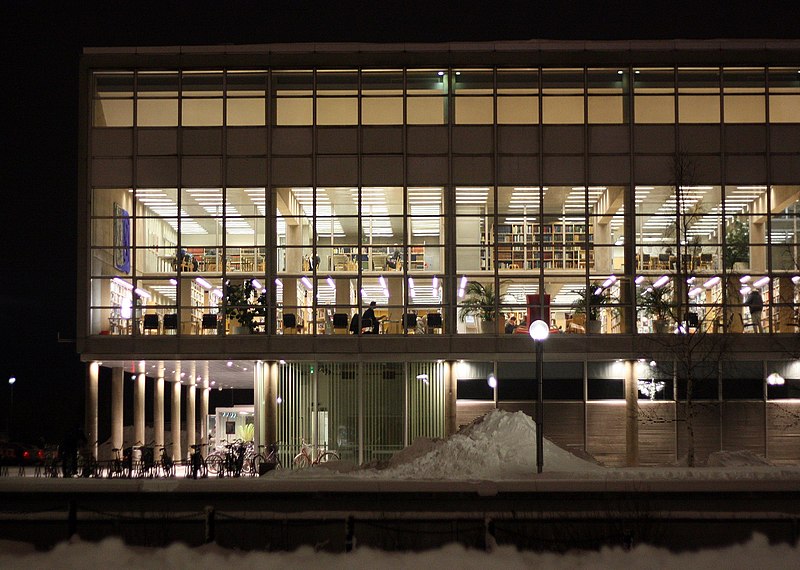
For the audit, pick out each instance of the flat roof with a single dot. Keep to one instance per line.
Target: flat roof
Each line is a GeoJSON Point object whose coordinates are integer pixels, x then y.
{"type": "Point", "coordinates": [505, 46]}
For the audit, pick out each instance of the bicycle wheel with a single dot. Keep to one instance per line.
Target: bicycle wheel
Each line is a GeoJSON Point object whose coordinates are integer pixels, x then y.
{"type": "Point", "coordinates": [328, 456]}
{"type": "Point", "coordinates": [168, 468]}
{"type": "Point", "coordinates": [301, 461]}
{"type": "Point", "coordinates": [215, 464]}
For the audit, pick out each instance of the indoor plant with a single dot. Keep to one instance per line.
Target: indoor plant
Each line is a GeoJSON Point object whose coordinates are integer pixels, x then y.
{"type": "Point", "coordinates": [479, 302]}
{"type": "Point", "coordinates": [655, 302]}
{"type": "Point", "coordinates": [596, 296]}
{"type": "Point", "coordinates": [246, 307]}
{"type": "Point", "coordinates": [737, 244]}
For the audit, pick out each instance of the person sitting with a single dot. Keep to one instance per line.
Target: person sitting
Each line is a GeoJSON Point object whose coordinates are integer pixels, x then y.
{"type": "Point", "coordinates": [511, 324]}
{"type": "Point", "coordinates": [369, 319]}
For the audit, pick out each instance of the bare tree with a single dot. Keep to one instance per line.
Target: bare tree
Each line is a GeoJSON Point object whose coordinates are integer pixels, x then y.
{"type": "Point", "coordinates": [693, 346]}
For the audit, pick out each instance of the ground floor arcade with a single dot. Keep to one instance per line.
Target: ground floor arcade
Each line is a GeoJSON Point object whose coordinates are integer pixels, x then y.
{"type": "Point", "coordinates": [622, 412]}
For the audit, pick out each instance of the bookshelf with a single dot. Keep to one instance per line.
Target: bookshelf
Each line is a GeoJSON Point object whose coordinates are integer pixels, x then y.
{"type": "Point", "coordinates": [562, 246]}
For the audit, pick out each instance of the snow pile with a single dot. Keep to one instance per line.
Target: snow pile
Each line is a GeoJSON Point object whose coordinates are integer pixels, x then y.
{"type": "Point", "coordinates": [498, 445]}
{"type": "Point", "coordinates": [741, 458]}
{"type": "Point", "coordinates": [756, 553]}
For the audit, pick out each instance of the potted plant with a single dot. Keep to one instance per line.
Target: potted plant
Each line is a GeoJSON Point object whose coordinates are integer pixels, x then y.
{"type": "Point", "coordinates": [656, 305]}
{"type": "Point", "coordinates": [596, 296]}
{"type": "Point", "coordinates": [246, 307]}
{"type": "Point", "coordinates": [479, 302]}
{"type": "Point", "coordinates": [737, 245]}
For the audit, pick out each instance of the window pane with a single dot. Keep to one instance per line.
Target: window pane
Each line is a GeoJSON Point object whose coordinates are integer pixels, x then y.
{"type": "Point", "coordinates": [157, 112]}
{"type": "Point", "coordinates": [608, 110]}
{"type": "Point", "coordinates": [474, 110]}
{"type": "Point", "coordinates": [246, 112]}
{"type": "Point", "coordinates": [745, 109]}
{"type": "Point", "coordinates": [426, 110]}
{"type": "Point", "coordinates": [562, 110]}
{"type": "Point", "coordinates": [656, 109]}
{"type": "Point", "coordinates": [382, 110]}
{"type": "Point", "coordinates": [517, 110]}
{"type": "Point", "coordinates": [337, 111]}
{"type": "Point", "coordinates": [698, 109]}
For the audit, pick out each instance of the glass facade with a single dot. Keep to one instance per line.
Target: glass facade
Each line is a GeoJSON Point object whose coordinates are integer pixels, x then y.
{"type": "Point", "coordinates": [286, 201]}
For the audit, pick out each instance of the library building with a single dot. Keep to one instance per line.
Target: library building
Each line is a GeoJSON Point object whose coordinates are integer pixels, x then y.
{"type": "Point", "coordinates": [361, 235]}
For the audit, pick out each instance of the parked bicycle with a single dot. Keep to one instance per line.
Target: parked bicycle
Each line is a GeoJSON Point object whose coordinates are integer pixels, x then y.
{"type": "Point", "coordinates": [264, 463]}
{"type": "Point", "coordinates": [116, 466]}
{"type": "Point", "coordinates": [166, 464]}
{"type": "Point", "coordinates": [306, 459]}
{"type": "Point", "coordinates": [229, 462]}
{"type": "Point", "coordinates": [197, 464]}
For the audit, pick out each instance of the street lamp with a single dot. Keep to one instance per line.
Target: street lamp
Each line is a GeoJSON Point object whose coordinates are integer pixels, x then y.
{"type": "Point", "coordinates": [539, 331]}
{"type": "Point", "coordinates": [10, 407]}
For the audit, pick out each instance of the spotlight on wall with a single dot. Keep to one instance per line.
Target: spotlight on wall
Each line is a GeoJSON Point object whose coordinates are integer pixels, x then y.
{"type": "Point", "coordinates": [776, 379]}
{"type": "Point", "coordinates": [423, 377]}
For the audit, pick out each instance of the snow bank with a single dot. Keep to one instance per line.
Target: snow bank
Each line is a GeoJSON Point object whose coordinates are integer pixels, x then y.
{"type": "Point", "coordinates": [756, 553]}
{"type": "Point", "coordinates": [498, 445]}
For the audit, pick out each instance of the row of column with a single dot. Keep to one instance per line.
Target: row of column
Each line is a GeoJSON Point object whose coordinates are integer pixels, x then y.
{"type": "Point", "coordinates": [265, 385]}
{"type": "Point", "coordinates": [117, 378]}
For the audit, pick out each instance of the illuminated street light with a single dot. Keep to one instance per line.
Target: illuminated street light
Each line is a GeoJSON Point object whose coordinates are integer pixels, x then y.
{"type": "Point", "coordinates": [539, 331]}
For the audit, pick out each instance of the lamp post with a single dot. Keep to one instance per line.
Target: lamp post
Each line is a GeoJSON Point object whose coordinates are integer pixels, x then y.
{"type": "Point", "coordinates": [539, 331]}
{"type": "Point", "coordinates": [10, 406]}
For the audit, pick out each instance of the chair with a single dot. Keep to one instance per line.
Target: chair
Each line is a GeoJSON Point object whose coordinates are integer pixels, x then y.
{"type": "Point", "coordinates": [289, 323]}
{"type": "Point", "coordinates": [663, 261]}
{"type": "Point", "coordinates": [171, 323]}
{"type": "Point", "coordinates": [646, 261]}
{"type": "Point", "coordinates": [209, 323]}
{"type": "Point", "coordinates": [706, 261]}
{"type": "Point", "coordinates": [340, 321]}
{"type": "Point", "coordinates": [151, 324]}
{"type": "Point", "coordinates": [577, 324]}
{"type": "Point", "coordinates": [410, 322]}
{"type": "Point", "coordinates": [434, 322]}
{"type": "Point", "coordinates": [367, 326]}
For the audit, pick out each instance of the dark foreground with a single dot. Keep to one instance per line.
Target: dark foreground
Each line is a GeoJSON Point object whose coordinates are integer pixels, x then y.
{"type": "Point", "coordinates": [333, 515]}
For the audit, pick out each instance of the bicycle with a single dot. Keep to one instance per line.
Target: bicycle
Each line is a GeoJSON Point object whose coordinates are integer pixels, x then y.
{"type": "Point", "coordinates": [261, 464]}
{"type": "Point", "coordinates": [147, 463]}
{"type": "Point", "coordinates": [197, 465]}
{"type": "Point", "coordinates": [305, 459]}
{"type": "Point", "coordinates": [166, 464]}
{"type": "Point", "coordinates": [117, 466]}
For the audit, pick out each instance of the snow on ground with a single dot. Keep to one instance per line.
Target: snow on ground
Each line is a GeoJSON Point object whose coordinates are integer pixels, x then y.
{"type": "Point", "coordinates": [756, 553]}
{"type": "Point", "coordinates": [501, 445]}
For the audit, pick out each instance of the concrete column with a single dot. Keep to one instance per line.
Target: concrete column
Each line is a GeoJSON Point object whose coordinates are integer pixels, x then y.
{"type": "Point", "coordinates": [259, 414]}
{"type": "Point", "coordinates": [758, 253]}
{"type": "Point", "coordinates": [117, 406]}
{"type": "Point", "coordinates": [175, 416]}
{"type": "Point", "coordinates": [158, 407]}
{"type": "Point", "coordinates": [90, 429]}
{"type": "Point", "coordinates": [271, 403]}
{"type": "Point", "coordinates": [631, 414]}
{"type": "Point", "coordinates": [450, 379]}
{"type": "Point", "coordinates": [204, 413]}
{"type": "Point", "coordinates": [191, 423]}
{"type": "Point", "coordinates": [138, 406]}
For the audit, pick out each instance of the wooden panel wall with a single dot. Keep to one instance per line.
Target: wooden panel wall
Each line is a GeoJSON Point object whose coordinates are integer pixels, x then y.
{"type": "Point", "coordinates": [605, 432]}
{"type": "Point", "coordinates": [468, 410]}
{"type": "Point", "coordinates": [563, 422]}
{"type": "Point", "coordinates": [657, 433]}
{"type": "Point", "coordinates": [783, 432]}
{"type": "Point", "coordinates": [706, 429]}
{"type": "Point", "coordinates": [743, 427]}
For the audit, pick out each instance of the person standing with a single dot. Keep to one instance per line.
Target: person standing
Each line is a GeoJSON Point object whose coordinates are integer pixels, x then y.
{"type": "Point", "coordinates": [755, 303]}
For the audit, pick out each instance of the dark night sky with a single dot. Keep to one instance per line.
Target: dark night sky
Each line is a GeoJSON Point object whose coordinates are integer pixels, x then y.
{"type": "Point", "coordinates": [42, 44]}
